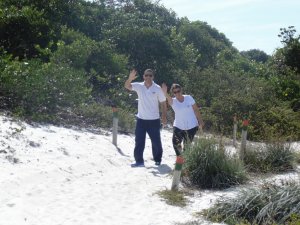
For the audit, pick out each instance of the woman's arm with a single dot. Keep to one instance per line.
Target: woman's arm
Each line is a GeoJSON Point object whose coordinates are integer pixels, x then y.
{"type": "Point", "coordinates": [198, 115]}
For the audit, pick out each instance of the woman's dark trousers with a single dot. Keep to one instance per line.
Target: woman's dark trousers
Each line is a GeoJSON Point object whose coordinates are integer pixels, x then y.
{"type": "Point", "coordinates": [186, 136]}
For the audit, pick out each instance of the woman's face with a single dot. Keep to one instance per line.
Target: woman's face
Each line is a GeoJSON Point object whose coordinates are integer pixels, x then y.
{"type": "Point", "coordinates": [177, 92]}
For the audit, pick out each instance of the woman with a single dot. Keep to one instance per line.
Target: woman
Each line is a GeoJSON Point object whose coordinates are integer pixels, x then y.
{"type": "Point", "coordinates": [187, 117]}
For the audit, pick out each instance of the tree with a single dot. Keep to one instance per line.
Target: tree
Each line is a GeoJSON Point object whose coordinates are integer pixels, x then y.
{"type": "Point", "coordinates": [207, 40]}
{"type": "Point", "coordinates": [291, 48]}
{"type": "Point", "coordinates": [256, 55]}
{"type": "Point", "coordinates": [22, 28]}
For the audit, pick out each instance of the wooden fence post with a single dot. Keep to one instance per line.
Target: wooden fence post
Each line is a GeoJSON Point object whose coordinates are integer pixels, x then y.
{"type": "Point", "coordinates": [244, 137]}
{"type": "Point", "coordinates": [177, 173]}
{"type": "Point", "coordinates": [234, 129]}
{"type": "Point", "coordinates": [115, 125]}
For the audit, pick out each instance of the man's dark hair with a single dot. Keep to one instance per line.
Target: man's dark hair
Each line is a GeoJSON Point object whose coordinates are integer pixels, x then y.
{"type": "Point", "coordinates": [149, 71]}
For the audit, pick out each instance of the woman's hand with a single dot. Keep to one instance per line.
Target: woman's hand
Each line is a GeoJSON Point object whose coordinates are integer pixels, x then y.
{"type": "Point", "coordinates": [164, 88]}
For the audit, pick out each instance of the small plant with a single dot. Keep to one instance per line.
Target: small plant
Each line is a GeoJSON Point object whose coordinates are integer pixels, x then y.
{"type": "Point", "coordinates": [208, 166]}
{"type": "Point", "coordinates": [175, 198]}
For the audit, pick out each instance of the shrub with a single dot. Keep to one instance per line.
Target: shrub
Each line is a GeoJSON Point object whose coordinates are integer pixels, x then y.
{"type": "Point", "coordinates": [208, 166]}
{"type": "Point", "coordinates": [276, 121]}
{"type": "Point", "coordinates": [35, 88]}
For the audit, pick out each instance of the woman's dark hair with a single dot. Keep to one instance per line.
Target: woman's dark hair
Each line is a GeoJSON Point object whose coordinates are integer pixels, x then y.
{"type": "Point", "coordinates": [174, 86]}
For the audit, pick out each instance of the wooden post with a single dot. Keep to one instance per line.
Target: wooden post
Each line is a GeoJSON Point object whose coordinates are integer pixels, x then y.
{"type": "Point", "coordinates": [177, 173]}
{"type": "Point", "coordinates": [115, 125]}
{"type": "Point", "coordinates": [234, 129]}
{"type": "Point", "coordinates": [244, 137]}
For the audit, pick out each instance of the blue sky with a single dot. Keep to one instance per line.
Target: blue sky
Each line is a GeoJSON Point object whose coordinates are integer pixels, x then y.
{"type": "Point", "coordinates": [249, 24]}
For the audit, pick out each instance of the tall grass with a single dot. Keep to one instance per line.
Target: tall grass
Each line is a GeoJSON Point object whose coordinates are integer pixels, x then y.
{"type": "Point", "coordinates": [269, 204]}
{"type": "Point", "coordinates": [274, 157]}
{"type": "Point", "coordinates": [208, 166]}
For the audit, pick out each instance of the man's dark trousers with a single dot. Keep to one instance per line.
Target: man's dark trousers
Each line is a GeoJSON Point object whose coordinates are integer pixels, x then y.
{"type": "Point", "coordinates": [152, 127]}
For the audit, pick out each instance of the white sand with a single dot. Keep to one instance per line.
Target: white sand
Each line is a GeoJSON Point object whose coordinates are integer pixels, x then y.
{"type": "Point", "coordinates": [57, 176]}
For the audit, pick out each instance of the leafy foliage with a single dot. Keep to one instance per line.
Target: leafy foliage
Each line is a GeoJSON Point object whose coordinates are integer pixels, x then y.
{"type": "Point", "coordinates": [90, 46]}
{"type": "Point", "coordinates": [291, 49]}
{"type": "Point", "coordinates": [22, 29]}
{"type": "Point", "coordinates": [33, 87]}
{"type": "Point", "coordinates": [256, 55]}
{"type": "Point", "coordinates": [208, 41]}
{"type": "Point", "coordinates": [275, 122]}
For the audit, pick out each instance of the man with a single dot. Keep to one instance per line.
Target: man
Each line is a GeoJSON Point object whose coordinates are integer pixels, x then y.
{"type": "Point", "coordinates": [150, 96]}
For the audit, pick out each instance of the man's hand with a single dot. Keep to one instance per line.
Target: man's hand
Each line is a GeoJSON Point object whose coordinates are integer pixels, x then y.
{"type": "Point", "coordinates": [132, 75]}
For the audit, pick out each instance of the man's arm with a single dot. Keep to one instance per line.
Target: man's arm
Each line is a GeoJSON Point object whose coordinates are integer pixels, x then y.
{"type": "Point", "coordinates": [131, 77]}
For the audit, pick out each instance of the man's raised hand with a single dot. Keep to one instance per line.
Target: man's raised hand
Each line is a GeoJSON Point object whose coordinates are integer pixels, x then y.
{"type": "Point", "coordinates": [132, 75]}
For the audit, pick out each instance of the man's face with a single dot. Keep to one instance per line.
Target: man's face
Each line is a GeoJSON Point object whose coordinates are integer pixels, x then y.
{"type": "Point", "coordinates": [148, 76]}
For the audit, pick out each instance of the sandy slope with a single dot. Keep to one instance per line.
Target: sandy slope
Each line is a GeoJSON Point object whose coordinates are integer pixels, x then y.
{"type": "Point", "coordinates": [53, 175]}
{"type": "Point", "coordinates": [57, 176]}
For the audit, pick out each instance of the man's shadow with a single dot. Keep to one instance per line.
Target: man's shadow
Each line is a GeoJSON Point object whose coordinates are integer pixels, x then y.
{"type": "Point", "coordinates": [161, 170]}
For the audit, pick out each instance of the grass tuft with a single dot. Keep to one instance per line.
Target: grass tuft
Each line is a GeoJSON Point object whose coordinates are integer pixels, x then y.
{"type": "Point", "coordinates": [175, 198]}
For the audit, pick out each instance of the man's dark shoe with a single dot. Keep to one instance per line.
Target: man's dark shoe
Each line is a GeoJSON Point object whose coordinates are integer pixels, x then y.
{"type": "Point", "coordinates": [157, 163]}
{"type": "Point", "coordinates": [138, 165]}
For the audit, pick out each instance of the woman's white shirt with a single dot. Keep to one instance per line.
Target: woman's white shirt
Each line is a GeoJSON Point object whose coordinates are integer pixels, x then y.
{"type": "Point", "coordinates": [185, 117]}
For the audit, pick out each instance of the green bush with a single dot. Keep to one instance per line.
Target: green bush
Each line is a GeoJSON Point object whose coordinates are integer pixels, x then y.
{"type": "Point", "coordinates": [269, 204]}
{"type": "Point", "coordinates": [276, 121]}
{"type": "Point", "coordinates": [31, 87]}
{"type": "Point", "coordinates": [208, 166]}
{"type": "Point", "coordinates": [274, 157]}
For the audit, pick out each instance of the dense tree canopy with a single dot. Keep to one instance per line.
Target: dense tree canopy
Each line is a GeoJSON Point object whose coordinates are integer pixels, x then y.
{"type": "Point", "coordinates": [59, 55]}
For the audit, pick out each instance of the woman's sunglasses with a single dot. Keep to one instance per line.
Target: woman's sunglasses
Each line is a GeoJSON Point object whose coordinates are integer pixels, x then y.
{"type": "Point", "coordinates": [175, 92]}
{"type": "Point", "coordinates": [148, 75]}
